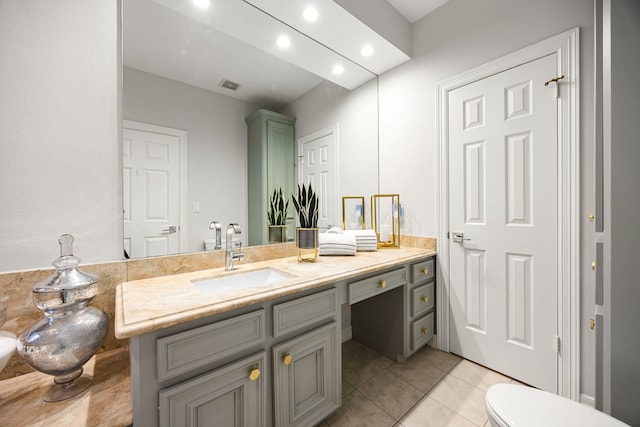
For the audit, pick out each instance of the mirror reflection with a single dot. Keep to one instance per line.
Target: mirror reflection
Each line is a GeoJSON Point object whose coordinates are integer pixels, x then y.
{"type": "Point", "coordinates": [197, 105]}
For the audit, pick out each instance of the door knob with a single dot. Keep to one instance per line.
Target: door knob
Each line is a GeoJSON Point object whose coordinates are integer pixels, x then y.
{"type": "Point", "coordinates": [458, 237]}
{"type": "Point", "coordinates": [170, 229]}
{"type": "Point", "coordinates": [254, 374]}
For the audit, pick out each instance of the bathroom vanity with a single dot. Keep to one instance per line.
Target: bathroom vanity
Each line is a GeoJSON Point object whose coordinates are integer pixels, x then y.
{"type": "Point", "coordinates": [205, 345]}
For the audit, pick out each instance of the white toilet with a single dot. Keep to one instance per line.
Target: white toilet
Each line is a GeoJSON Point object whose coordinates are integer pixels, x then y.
{"type": "Point", "coordinates": [510, 405]}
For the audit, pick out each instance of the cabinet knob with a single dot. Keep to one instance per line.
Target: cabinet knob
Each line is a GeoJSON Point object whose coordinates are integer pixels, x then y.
{"type": "Point", "coordinates": [425, 299]}
{"type": "Point", "coordinates": [425, 271]}
{"type": "Point", "coordinates": [383, 284]}
{"type": "Point", "coordinates": [425, 331]}
{"type": "Point", "coordinates": [255, 374]}
{"type": "Point", "coordinates": [592, 324]}
{"type": "Point", "coordinates": [287, 359]}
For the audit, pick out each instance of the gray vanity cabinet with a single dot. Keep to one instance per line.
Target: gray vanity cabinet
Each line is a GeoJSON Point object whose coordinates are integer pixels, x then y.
{"type": "Point", "coordinates": [393, 312]}
{"type": "Point", "coordinates": [421, 299]}
{"type": "Point", "coordinates": [233, 396]}
{"type": "Point", "coordinates": [306, 377]}
{"type": "Point", "coordinates": [278, 362]}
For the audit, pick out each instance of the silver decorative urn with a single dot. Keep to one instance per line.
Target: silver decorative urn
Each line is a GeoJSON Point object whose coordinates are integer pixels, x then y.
{"type": "Point", "coordinates": [71, 331]}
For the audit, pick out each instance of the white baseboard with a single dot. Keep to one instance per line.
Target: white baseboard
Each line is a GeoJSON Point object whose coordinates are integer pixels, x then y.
{"type": "Point", "coordinates": [346, 333]}
{"type": "Point", "coordinates": [588, 400]}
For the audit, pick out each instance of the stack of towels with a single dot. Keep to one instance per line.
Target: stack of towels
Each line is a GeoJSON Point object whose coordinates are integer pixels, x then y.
{"type": "Point", "coordinates": [337, 241]}
{"type": "Point", "coordinates": [366, 240]}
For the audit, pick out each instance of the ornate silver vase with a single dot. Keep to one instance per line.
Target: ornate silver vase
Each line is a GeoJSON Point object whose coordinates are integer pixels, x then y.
{"type": "Point", "coordinates": [71, 331]}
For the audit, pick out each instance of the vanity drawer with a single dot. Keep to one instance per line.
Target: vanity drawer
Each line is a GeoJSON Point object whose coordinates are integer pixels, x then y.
{"type": "Point", "coordinates": [303, 312]}
{"type": "Point", "coordinates": [367, 288]}
{"type": "Point", "coordinates": [422, 299]}
{"type": "Point", "coordinates": [192, 349]}
{"type": "Point", "coordinates": [422, 331]}
{"type": "Point", "coordinates": [423, 270]}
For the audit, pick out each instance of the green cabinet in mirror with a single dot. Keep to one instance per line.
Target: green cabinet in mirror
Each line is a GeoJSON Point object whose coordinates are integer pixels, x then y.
{"type": "Point", "coordinates": [271, 159]}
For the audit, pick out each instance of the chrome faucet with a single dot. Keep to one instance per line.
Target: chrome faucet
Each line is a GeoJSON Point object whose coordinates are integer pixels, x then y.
{"type": "Point", "coordinates": [215, 225]}
{"type": "Point", "coordinates": [230, 254]}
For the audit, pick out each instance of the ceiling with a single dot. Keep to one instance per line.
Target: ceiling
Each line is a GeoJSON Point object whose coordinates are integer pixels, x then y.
{"type": "Point", "coordinates": [414, 10]}
{"type": "Point", "coordinates": [171, 39]}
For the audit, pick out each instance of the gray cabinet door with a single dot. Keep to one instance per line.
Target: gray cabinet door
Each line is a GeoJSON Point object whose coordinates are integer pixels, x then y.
{"type": "Point", "coordinates": [306, 376]}
{"type": "Point", "coordinates": [232, 396]}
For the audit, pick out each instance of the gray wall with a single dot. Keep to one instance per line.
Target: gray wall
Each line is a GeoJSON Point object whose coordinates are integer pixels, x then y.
{"type": "Point", "coordinates": [59, 163]}
{"type": "Point", "coordinates": [356, 114]}
{"type": "Point", "coordinates": [217, 145]}
{"type": "Point", "coordinates": [621, 114]}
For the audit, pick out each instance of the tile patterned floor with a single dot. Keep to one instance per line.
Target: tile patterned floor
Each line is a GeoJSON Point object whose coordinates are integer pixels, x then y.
{"type": "Point", "coordinates": [431, 389]}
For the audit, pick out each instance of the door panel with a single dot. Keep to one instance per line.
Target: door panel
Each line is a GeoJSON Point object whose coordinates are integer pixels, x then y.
{"type": "Point", "coordinates": [151, 181]}
{"type": "Point", "coordinates": [318, 167]}
{"type": "Point", "coordinates": [503, 196]}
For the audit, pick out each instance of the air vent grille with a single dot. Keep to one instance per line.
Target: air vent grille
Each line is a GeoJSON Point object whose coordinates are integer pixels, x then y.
{"type": "Point", "coordinates": [228, 84]}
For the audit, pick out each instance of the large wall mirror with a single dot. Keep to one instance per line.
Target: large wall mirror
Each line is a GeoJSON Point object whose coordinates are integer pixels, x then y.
{"type": "Point", "coordinates": [184, 131]}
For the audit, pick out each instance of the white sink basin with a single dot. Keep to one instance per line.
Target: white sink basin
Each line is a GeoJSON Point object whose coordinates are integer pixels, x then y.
{"type": "Point", "coordinates": [241, 280]}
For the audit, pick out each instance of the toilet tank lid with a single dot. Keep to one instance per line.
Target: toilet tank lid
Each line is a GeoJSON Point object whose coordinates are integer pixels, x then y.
{"type": "Point", "coordinates": [519, 405]}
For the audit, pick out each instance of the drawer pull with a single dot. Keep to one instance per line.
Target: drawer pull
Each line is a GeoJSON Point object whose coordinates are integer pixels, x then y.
{"type": "Point", "coordinates": [255, 374]}
{"type": "Point", "coordinates": [287, 359]}
{"type": "Point", "coordinates": [383, 284]}
{"type": "Point", "coordinates": [425, 299]}
{"type": "Point", "coordinates": [425, 331]}
{"type": "Point", "coordinates": [425, 271]}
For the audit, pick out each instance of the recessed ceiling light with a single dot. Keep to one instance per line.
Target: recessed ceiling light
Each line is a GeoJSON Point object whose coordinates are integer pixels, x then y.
{"type": "Point", "coordinates": [202, 4]}
{"type": "Point", "coordinates": [367, 50]}
{"type": "Point", "coordinates": [283, 42]}
{"type": "Point", "coordinates": [310, 14]}
{"type": "Point", "coordinates": [338, 69]}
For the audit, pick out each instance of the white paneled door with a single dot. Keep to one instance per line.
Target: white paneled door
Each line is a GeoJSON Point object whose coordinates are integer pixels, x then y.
{"type": "Point", "coordinates": [503, 166]}
{"type": "Point", "coordinates": [151, 181]}
{"type": "Point", "coordinates": [318, 166]}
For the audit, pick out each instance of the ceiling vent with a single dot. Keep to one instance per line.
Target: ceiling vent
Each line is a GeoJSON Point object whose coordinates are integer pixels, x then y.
{"type": "Point", "coordinates": [228, 84]}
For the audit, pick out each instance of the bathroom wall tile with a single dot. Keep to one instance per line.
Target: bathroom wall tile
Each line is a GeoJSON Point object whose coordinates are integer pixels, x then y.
{"type": "Point", "coordinates": [360, 363]}
{"type": "Point", "coordinates": [477, 375]}
{"type": "Point", "coordinates": [358, 411]}
{"type": "Point", "coordinates": [418, 242]}
{"type": "Point", "coordinates": [431, 413]}
{"type": "Point", "coordinates": [391, 394]}
{"type": "Point", "coordinates": [462, 398]}
{"type": "Point", "coordinates": [420, 372]}
{"type": "Point", "coordinates": [144, 268]}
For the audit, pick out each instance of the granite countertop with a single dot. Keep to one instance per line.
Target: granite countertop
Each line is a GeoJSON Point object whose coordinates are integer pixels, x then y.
{"type": "Point", "coordinates": [148, 305]}
{"type": "Point", "coordinates": [106, 403]}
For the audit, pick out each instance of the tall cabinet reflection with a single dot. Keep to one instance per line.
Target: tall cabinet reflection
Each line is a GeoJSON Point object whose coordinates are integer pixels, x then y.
{"type": "Point", "coordinates": [271, 160]}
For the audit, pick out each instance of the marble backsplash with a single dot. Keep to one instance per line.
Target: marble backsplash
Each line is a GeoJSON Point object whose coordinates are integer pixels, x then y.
{"type": "Point", "coordinates": [21, 312]}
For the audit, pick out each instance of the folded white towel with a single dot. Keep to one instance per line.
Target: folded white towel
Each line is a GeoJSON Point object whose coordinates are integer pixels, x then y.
{"type": "Point", "coordinates": [366, 240]}
{"type": "Point", "coordinates": [335, 242]}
